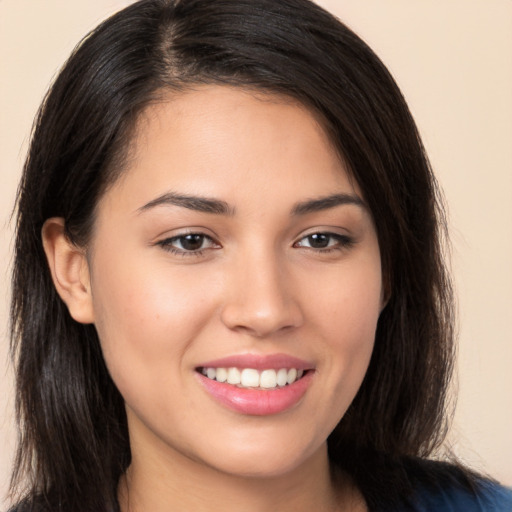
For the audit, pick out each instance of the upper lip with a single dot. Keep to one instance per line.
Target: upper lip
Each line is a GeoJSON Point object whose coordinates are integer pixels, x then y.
{"type": "Point", "coordinates": [259, 362]}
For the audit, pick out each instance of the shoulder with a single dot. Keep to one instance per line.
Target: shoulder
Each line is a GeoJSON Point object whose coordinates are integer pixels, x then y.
{"type": "Point", "coordinates": [445, 487]}
{"type": "Point", "coordinates": [487, 496]}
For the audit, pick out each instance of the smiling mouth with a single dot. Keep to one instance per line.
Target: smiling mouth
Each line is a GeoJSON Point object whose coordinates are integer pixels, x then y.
{"type": "Point", "coordinates": [251, 378]}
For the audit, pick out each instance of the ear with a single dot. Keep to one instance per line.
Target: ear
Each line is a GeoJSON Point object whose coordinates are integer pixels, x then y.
{"type": "Point", "coordinates": [69, 269]}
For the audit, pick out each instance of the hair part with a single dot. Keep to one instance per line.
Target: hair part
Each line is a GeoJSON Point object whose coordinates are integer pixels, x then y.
{"type": "Point", "coordinates": [73, 444]}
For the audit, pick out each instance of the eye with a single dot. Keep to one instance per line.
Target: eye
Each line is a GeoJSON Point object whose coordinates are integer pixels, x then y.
{"type": "Point", "coordinates": [188, 244]}
{"type": "Point", "coordinates": [324, 241]}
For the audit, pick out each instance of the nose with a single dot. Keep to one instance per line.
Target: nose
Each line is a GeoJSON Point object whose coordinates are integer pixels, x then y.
{"type": "Point", "coordinates": [260, 297]}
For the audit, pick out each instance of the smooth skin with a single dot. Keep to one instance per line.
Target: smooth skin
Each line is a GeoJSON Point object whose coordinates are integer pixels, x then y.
{"type": "Point", "coordinates": [273, 267]}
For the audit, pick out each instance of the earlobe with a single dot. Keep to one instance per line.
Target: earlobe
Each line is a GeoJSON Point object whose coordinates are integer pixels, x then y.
{"type": "Point", "coordinates": [69, 270]}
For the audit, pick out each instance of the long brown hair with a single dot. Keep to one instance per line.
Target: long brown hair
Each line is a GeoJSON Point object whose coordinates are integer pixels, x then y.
{"type": "Point", "coordinates": [73, 443]}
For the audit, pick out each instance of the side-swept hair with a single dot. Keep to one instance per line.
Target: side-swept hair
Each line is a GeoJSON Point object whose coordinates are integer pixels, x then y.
{"type": "Point", "coordinates": [73, 444]}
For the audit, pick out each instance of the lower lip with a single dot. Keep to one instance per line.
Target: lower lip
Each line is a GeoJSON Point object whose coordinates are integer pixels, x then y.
{"type": "Point", "coordinates": [256, 402]}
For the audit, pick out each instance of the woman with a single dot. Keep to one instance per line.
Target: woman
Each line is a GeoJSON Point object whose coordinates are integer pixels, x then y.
{"type": "Point", "coordinates": [228, 286]}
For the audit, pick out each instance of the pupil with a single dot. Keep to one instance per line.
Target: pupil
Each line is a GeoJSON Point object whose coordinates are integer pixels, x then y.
{"type": "Point", "coordinates": [318, 240]}
{"type": "Point", "coordinates": [192, 242]}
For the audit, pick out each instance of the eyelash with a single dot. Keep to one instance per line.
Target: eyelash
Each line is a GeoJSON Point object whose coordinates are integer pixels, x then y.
{"type": "Point", "coordinates": [167, 244]}
{"type": "Point", "coordinates": [343, 242]}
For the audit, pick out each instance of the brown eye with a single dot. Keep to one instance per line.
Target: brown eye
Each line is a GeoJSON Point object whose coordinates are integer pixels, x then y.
{"type": "Point", "coordinates": [324, 241]}
{"type": "Point", "coordinates": [319, 240]}
{"type": "Point", "coordinates": [192, 242]}
{"type": "Point", "coordinates": [188, 244]}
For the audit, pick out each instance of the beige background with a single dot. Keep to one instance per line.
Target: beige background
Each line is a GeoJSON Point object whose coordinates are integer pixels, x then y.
{"type": "Point", "coordinates": [453, 61]}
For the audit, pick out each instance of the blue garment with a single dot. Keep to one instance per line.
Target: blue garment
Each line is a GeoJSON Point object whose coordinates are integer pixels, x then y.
{"type": "Point", "coordinates": [486, 497]}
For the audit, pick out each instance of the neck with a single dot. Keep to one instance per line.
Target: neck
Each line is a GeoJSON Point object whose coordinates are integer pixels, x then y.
{"type": "Point", "coordinates": [161, 484]}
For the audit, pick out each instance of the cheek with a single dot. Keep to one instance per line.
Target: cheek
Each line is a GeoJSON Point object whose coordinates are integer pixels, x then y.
{"type": "Point", "coordinates": [145, 317]}
{"type": "Point", "coordinates": [346, 315]}
{"type": "Point", "coordinates": [349, 305]}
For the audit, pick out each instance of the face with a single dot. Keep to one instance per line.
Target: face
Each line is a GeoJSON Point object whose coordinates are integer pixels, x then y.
{"type": "Point", "coordinates": [235, 282]}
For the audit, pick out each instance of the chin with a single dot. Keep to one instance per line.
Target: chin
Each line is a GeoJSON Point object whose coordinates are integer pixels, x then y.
{"type": "Point", "coordinates": [264, 462]}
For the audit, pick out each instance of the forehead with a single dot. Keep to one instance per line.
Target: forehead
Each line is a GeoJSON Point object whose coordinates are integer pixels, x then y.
{"type": "Point", "coordinates": [222, 141]}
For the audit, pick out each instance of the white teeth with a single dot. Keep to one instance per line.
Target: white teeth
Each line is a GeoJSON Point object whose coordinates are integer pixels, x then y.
{"type": "Point", "coordinates": [233, 376]}
{"type": "Point", "coordinates": [251, 378]}
{"type": "Point", "coordinates": [222, 374]}
{"type": "Point", "coordinates": [282, 377]}
{"type": "Point", "coordinates": [268, 379]}
{"type": "Point", "coordinates": [292, 375]}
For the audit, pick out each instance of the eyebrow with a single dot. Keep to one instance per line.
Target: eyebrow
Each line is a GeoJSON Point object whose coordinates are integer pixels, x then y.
{"type": "Point", "coordinates": [327, 202]}
{"type": "Point", "coordinates": [219, 207]}
{"type": "Point", "coordinates": [197, 203]}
